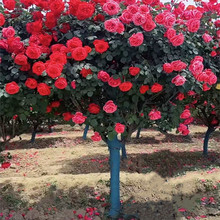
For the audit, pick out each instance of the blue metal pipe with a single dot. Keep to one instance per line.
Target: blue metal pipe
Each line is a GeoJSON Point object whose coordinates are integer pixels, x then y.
{"type": "Point", "coordinates": [138, 133]}
{"type": "Point", "coordinates": [206, 140]}
{"type": "Point", "coordinates": [86, 129]}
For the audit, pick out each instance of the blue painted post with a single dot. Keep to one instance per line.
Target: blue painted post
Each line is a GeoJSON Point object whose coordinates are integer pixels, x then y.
{"type": "Point", "coordinates": [85, 132]}
{"type": "Point", "coordinates": [123, 151]}
{"type": "Point", "coordinates": [206, 140]}
{"type": "Point", "coordinates": [114, 148]}
{"type": "Point", "coordinates": [138, 133]}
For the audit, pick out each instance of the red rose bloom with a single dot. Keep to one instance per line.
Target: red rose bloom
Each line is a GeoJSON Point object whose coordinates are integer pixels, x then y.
{"type": "Point", "coordinates": [2, 19]}
{"type": "Point", "coordinates": [96, 137]}
{"type": "Point", "coordinates": [119, 128]}
{"type": "Point", "coordinates": [12, 88]}
{"type": "Point", "coordinates": [58, 57]}
{"type": "Point", "coordinates": [134, 71]}
{"type": "Point", "coordinates": [168, 67]}
{"type": "Point", "coordinates": [9, 4]}
{"type": "Point", "coordinates": [5, 165]}
{"type": "Point", "coordinates": [104, 76]}
{"type": "Point", "coordinates": [38, 68]}
{"type": "Point", "coordinates": [101, 46]}
{"type": "Point", "coordinates": [61, 83]}
{"type": "Point", "coordinates": [20, 59]}
{"type": "Point", "coordinates": [125, 86]}
{"type": "Point", "coordinates": [33, 52]}
{"type": "Point", "coordinates": [85, 72]}
{"type": "Point", "coordinates": [55, 104]}
{"type": "Point", "coordinates": [43, 89]}
{"type": "Point", "coordinates": [67, 116]}
{"type": "Point", "coordinates": [79, 118]}
{"type": "Point", "coordinates": [31, 83]}
{"type": "Point", "coordinates": [185, 114]}
{"type": "Point", "coordinates": [79, 54]}
{"type": "Point", "coordinates": [74, 43]}
{"type": "Point", "coordinates": [54, 70]}
{"type": "Point", "coordinates": [144, 89]}
{"type": "Point", "coordinates": [94, 108]}
{"type": "Point", "coordinates": [85, 10]}
{"type": "Point", "coordinates": [114, 82]}
{"type": "Point", "coordinates": [156, 88]}
{"type": "Point", "coordinates": [26, 67]}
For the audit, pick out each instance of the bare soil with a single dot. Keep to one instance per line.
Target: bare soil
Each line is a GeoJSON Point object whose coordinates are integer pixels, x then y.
{"type": "Point", "coordinates": [165, 177]}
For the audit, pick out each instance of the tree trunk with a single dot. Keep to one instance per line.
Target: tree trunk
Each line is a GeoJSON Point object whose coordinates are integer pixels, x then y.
{"type": "Point", "coordinates": [114, 148]}
{"type": "Point", "coordinates": [206, 140]}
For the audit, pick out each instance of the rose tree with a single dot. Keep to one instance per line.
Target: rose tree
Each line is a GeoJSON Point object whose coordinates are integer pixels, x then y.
{"type": "Point", "coordinates": [113, 64]}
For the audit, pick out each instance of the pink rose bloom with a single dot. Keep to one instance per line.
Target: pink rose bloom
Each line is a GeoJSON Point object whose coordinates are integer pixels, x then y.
{"type": "Point", "coordinates": [96, 137]}
{"type": "Point", "coordinates": [143, 9]}
{"type": "Point", "coordinates": [212, 79]}
{"type": "Point", "coordinates": [133, 9]}
{"type": "Point", "coordinates": [111, 25]}
{"type": "Point", "coordinates": [168, 67]}
{"type": "Point", "coordinates": [126, 17]}
{"type": "Point", "coordinates": [149, 25]}
{"type": "Point", "coordinates": [185, 132]}
{"type": "Point", "coordinates": [182, 127]}
{"type": "Point", "coordinates": [205, 87]}
{"type": "Point", "coordinates": [196, 67]}
{"type": "Point", "coordinates": [139, 19]}
{"type": "Point", "coordinates": [169, 20]}
{"type": "Point", "coordinates": [114, 82]}
{"type": "Point", "coordinates": [111, 7]}
{"type": "Point", "coordinates": [79, 118]}
{"type": "Point", "coordinates": [188, 121]}
{"type": "Point", "coordinates": [73, 84]}
{"type": "Point", "coordinates": [170, 33]}
{"type": "Point", "coordinates": [119, 128]}
{"type": "Point", "coordinates": [178, 80]}
{"type": "Point", "coordinates": [160, 18]}
{"type": "Point", "coordinates": [104, 76]}
{"type": "Point", "coordinates": [136, 39]}
{"type": "Point", "coordinates": [120, 28]}
{"type": "Point", "coordinates": [130, 2]}
{"type": "Point", "coordinates": [8, 32]}
{"type": "Point", "coordinates": [207, 38]}
{"type": "Point", "coordinates": [110, 107]}
{"type": "Point", "coordinates": [193, 25]}
{"type": "Point", "coordinates": [178, 65]}
{"type": "Point", "coordinates": [154, 114]}
{"type": "Point", "coordinates": [185, 114]}
{"type": "Point", "coordinates": [177, 40]}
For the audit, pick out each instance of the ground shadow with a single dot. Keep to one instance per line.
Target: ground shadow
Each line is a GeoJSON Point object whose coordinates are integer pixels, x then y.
{"type": "Point", "coordinates": [161, 138]}
{"type": "Point", "coordinates": [215, 135]}
{"type": "Point", "coordinates": [44, 142]}
{"type": "Point", "coordinates": [166, 163]}
{"type": "Point", "coordinates": [57, 204]}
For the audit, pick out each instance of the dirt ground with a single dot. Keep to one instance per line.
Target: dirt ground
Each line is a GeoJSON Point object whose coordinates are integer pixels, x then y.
{"type": "Point", "coordinates": [62, 177]}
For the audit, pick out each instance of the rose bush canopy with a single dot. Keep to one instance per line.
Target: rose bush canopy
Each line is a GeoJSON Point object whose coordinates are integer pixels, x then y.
{"type": "Point", "coordinates": [113, 65]}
